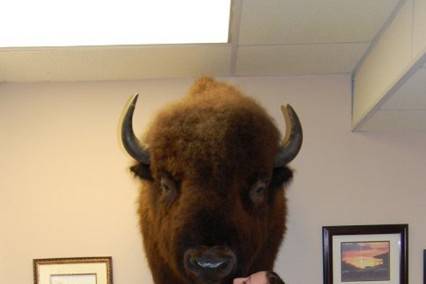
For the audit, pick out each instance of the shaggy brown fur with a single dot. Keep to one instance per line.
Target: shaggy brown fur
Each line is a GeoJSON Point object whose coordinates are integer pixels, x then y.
{"type": "Point", "coordinates": [214, 144]}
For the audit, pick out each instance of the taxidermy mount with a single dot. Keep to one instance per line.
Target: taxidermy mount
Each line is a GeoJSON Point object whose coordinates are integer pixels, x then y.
{"type": "Point", "coordinates": [213, 170]}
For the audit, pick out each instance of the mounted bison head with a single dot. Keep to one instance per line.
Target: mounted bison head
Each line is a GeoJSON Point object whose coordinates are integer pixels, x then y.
{"type": "Point", "coordinates": [212, 205]}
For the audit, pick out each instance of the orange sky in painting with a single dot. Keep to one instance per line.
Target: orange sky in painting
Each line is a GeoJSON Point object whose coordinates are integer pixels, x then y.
{"type": "Point", "coordinates": [364, 255]}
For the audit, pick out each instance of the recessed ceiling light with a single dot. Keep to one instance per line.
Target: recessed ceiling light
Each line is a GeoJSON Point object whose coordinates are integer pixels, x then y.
{"type": "Point", "coordinates": [29, 23]}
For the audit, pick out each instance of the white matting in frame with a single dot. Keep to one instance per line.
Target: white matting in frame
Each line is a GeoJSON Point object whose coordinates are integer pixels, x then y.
{"type": "Point", "coordinates": [74, 279]}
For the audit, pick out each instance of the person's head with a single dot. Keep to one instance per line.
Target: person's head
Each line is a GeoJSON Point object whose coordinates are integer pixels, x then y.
{"type": "Point", "coordinates": [262, 277]}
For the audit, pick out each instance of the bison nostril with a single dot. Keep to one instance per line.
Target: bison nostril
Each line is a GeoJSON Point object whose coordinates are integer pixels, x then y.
{"type": "Point", "coordinates": [209, 262]}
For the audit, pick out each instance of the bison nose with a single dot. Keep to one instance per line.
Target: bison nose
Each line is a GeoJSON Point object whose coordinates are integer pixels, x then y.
{"type": "Point", "coordinates": [209, 263]}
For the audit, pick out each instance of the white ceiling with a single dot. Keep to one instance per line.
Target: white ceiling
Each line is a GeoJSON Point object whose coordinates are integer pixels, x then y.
{"type": "Point", "coordinates": [312, 21]}
{"type": "Point", "coordinates": [273, 37]}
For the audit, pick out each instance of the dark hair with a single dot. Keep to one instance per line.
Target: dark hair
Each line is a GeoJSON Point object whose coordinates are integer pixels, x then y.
{"type": "Point", "coordinates": [273, 278]}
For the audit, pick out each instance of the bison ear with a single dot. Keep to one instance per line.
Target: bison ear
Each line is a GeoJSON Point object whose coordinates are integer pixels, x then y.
{"type": "Point", "coordinates": [281, 176]}
{"type": "Point", "coordinates": [142, 171]}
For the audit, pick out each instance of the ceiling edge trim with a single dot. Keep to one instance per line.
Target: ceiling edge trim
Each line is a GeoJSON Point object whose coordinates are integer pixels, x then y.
{"type": "Point", "coordinates": [234, 34]}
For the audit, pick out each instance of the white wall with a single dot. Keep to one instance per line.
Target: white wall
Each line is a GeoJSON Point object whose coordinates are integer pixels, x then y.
{"type": "Point", "coordinates": [65, 190]}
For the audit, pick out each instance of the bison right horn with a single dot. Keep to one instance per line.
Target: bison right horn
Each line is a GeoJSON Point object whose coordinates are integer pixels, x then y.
{"type": "Point", "coordinates": [292, 142]}
{"type": "Point", "coordinates": [128, 137]}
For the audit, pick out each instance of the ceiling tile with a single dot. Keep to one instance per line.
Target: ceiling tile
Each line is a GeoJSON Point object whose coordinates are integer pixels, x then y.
{"type": "Point", "coordinates": [312, 21]}
{"type": "Point", "coordinates": [113, 63]}
{"type": "Point", "coordinates": [299, 59]}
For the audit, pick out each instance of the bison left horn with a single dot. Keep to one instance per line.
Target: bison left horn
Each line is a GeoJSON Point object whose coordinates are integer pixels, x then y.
{"type": "Point", "coordinates": [292, 142]}
{"type": "Point", "coordinates": [128, 137]}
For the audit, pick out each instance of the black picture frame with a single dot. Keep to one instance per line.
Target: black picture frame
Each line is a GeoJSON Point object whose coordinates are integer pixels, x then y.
{"type": "Point", "coordinates": [424, 266]}
{"type": "Point", "coordinates": [362, 235]}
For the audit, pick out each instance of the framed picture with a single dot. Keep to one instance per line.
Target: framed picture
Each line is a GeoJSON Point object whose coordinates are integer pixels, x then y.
{"type": "Point", "coordinates": [376, 254]}
{"type": "Point", "coordinates": [80, 270]}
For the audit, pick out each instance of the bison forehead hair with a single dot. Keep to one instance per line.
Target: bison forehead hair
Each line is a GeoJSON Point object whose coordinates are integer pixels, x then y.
{"type": "Point", "coordinates": [212, 206]}
{"type": "Point", "coordinates": [213, 134]}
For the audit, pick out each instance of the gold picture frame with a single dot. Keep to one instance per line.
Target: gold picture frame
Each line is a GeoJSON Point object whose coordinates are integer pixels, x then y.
{"type": "Point", "coordinates": [76, 270]}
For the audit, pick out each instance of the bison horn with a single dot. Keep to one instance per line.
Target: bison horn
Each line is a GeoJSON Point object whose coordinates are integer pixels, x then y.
{"type": "Point", "coordinates": [128, 138]}
{"type": "Point", "coordinates": [293, 138]}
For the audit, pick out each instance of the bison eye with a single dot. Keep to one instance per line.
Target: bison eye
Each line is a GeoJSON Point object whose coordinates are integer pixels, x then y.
{"type": "Point", "coordinates": [168, 186]}
{"type": "Point", "coordinates": [258, 192]}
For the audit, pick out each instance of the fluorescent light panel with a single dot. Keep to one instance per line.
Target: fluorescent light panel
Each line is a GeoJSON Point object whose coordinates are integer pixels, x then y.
{"type": "Point", "coordinates": [29, 23]}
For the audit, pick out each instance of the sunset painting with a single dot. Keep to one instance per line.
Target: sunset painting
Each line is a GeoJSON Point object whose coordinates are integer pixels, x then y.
{"type": "Point", "coordinates": [365, 261]}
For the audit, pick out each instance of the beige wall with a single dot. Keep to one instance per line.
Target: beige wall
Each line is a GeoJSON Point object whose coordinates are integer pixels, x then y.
{"type": "Point", "coordinates": [65, 190]}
